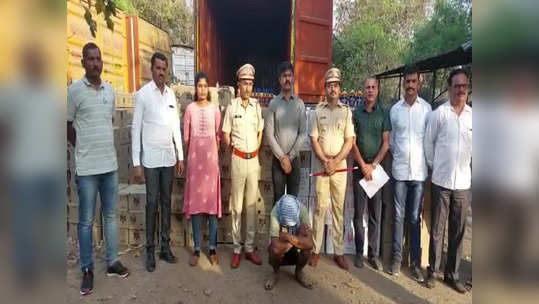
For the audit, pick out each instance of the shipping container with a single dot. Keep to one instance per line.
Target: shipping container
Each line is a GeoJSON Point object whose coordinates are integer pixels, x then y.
{"type": "Point", "coordinates": [265, 33]}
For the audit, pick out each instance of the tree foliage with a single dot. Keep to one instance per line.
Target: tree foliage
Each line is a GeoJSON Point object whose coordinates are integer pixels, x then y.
{"type": "Point", "coordinates": [106, 7]}
{"type": "Point", "coordinates": [371, 36]}
{"type": "Point", "coordinates": [449, 27]}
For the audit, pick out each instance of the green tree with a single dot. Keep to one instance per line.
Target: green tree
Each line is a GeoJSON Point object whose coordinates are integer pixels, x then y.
{"type": "Point", "coordinates": [449, 27]}
{"type": "Point", "coordinates": [371, 36]}
{"type": "Point", "coordinates": [106, 7]}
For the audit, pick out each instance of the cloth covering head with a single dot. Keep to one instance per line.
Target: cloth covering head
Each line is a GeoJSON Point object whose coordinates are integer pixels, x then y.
{"type": "Point", "coordinates": [288, 213]}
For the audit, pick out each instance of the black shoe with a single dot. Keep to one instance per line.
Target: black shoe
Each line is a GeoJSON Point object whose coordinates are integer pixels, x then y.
{"type": "Point", "coordinates": [416, 273]}
{"type": "Point", "coordinates": [455, 284]}
{"type": "Point", "coordinates": [430, 282]}
{"type": "Point", "coordinates": [395, 269]}
{"type": "Point", "coordinates": [87, 285]}
{"type": "Point", "coordinates": [358, 261]}
{"type": "Point", "coordinates": [118, 270]}
{"type": "Point", "coordinates": [167, 256]}
{"type": "Point", "coordinates": [150, 260]}
{"type": "Point", "coordinates": [375, 263]}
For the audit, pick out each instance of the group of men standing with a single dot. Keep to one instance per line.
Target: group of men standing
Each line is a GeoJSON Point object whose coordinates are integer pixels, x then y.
{"type": "Point", "coordinates": [420, 141]}
{"type": "Point", "coordinates": [417, 138]}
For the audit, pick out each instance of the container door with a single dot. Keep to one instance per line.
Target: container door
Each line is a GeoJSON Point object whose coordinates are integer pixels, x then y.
{"type": "Point", "coordinates": [312, 32]}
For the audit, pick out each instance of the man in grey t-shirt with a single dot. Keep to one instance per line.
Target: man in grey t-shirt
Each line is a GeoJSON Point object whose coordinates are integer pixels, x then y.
{"type": "Point", "coordinates": [286, 130]}
{"type": "Point", "coordinates": [90, 108]}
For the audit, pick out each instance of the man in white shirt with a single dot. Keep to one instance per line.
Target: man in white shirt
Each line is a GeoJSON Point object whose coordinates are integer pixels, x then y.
{"type": "Point", "coordinates": [448, 150]}
{"type": "Point", "coordinates": [156, 122]}
{"type": "Point", "coordinates": [408, 120]}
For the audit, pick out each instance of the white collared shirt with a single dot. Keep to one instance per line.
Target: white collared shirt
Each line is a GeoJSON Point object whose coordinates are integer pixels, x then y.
{"type": "Point", "coordinates": [406, 139]}
{"type": "Point", "coordinates": [448, 147]}
{"type": "Point", "coordinates": [156, 122]}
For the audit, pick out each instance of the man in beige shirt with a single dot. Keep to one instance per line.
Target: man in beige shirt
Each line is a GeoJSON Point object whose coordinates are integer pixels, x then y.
{"type": "Point", "coordinates": [242, 134]}
{"type": "Point", "coordinates": [332, 135]}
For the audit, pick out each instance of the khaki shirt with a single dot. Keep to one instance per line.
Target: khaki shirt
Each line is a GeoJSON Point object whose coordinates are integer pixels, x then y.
{"type": "Point", "coordinates": [243, 124]}
{"type": "Point", "coordinates": [331, 127]}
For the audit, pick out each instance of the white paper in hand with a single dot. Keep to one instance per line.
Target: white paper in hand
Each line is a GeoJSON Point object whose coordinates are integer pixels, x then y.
{"type": "Point", "coordinates": [379, 178]}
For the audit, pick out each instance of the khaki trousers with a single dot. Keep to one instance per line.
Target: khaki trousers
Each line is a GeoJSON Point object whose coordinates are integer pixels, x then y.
{"type": "Point", "coordinates": [327, 187]}
{"type": "Point", "coordinates": [245, 174]}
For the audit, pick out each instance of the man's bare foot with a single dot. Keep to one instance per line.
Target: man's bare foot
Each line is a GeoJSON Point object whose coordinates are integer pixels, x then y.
{"type": "Point", "coordinates": [272, 281]}
{"type": "Point", "coordinates": [304, 280]}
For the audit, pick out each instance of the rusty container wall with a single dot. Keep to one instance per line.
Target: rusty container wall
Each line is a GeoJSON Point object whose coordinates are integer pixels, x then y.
{"type": "Point", "coordinates": [265, 33]}
{"type": "Point", "coordinates": [312, 47]}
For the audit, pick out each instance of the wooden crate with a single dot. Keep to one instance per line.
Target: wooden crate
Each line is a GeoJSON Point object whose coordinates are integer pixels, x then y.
{"type": "Point", "coordinates": [136, 237]}
{"type": "Point", "coordinates": [122, 235]}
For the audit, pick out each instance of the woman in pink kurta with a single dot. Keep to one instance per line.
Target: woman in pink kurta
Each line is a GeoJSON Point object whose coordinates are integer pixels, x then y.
{"type": "Point", "coordinates": [202, 188]}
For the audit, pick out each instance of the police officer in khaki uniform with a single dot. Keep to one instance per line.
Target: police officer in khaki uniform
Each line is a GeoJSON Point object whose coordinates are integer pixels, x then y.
{"type": "Point", "coordinates": [332, 135]}
{"type": "Point", "coordinates": [242, 132]}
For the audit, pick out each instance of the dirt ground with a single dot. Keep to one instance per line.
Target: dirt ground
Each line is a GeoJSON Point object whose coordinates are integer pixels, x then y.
{"type": "Point", "coordinates": [180, 283]}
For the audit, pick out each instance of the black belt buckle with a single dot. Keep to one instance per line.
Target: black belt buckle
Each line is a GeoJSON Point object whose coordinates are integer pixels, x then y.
{"type": "Point", "coordinates": [247, 155]}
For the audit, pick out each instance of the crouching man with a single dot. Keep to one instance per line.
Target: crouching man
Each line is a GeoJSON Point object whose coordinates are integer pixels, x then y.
{"type": "Point", "coordinates": [291, 240]}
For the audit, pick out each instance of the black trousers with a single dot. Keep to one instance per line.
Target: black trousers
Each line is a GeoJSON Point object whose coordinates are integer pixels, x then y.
{"type": "Point", "coordinates": [374, 207]}
{"type": "Point", "coordinates": [452, 205]}
{"type": "Point", "coordinates": [293, 257]}
{"type": "Point", "coordinates": [158, 187]}
{"type": "Point", "coordinates": [282, 180]}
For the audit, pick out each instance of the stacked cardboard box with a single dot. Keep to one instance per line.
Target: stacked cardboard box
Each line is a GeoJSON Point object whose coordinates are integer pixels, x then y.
{"type": "Point", "coordinates": [131, 218]}
{"type": "Point", "coordinates": [124, 100]}
{"type": "Point", "coordinates": [122, 142]}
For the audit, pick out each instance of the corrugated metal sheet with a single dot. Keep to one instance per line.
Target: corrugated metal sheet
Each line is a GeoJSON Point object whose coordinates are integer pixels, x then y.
{"type": "Point", "coordinates": [183, 65]}
{"type": "Point", "coordinates": [112, 44]}
{"type": "Point", "coordinates": [312, 46]}
{"type": "Point", "coordinates": [151, 39]}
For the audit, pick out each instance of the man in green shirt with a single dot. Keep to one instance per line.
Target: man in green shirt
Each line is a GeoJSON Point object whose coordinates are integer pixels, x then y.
{"type": "Point", "coordinates": [372, 126]}
{"type": "Point", "coordinates": [291, 239]}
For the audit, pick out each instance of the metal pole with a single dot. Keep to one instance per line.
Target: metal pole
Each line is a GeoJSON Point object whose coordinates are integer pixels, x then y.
{"type": "Point", "coordinates": [400, 85]}
{"type": "Point", "coordinates": [433, 85]}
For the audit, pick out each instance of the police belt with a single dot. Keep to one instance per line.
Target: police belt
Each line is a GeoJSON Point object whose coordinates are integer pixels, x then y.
{"type": "Point", "coordinates": [245, 155]}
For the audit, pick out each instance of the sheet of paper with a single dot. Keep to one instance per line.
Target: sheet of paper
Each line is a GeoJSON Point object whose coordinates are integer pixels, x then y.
{"type": "Point", "coordinates": [379, 178]}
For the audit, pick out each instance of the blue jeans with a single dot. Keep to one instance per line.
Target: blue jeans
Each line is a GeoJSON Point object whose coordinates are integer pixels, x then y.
{"type": "Point", "coordinates": [408, 196]}
{"type": "Point", "coordinates": [195, 221]}
{"type": "Point", "coordinates": [87, 187]}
